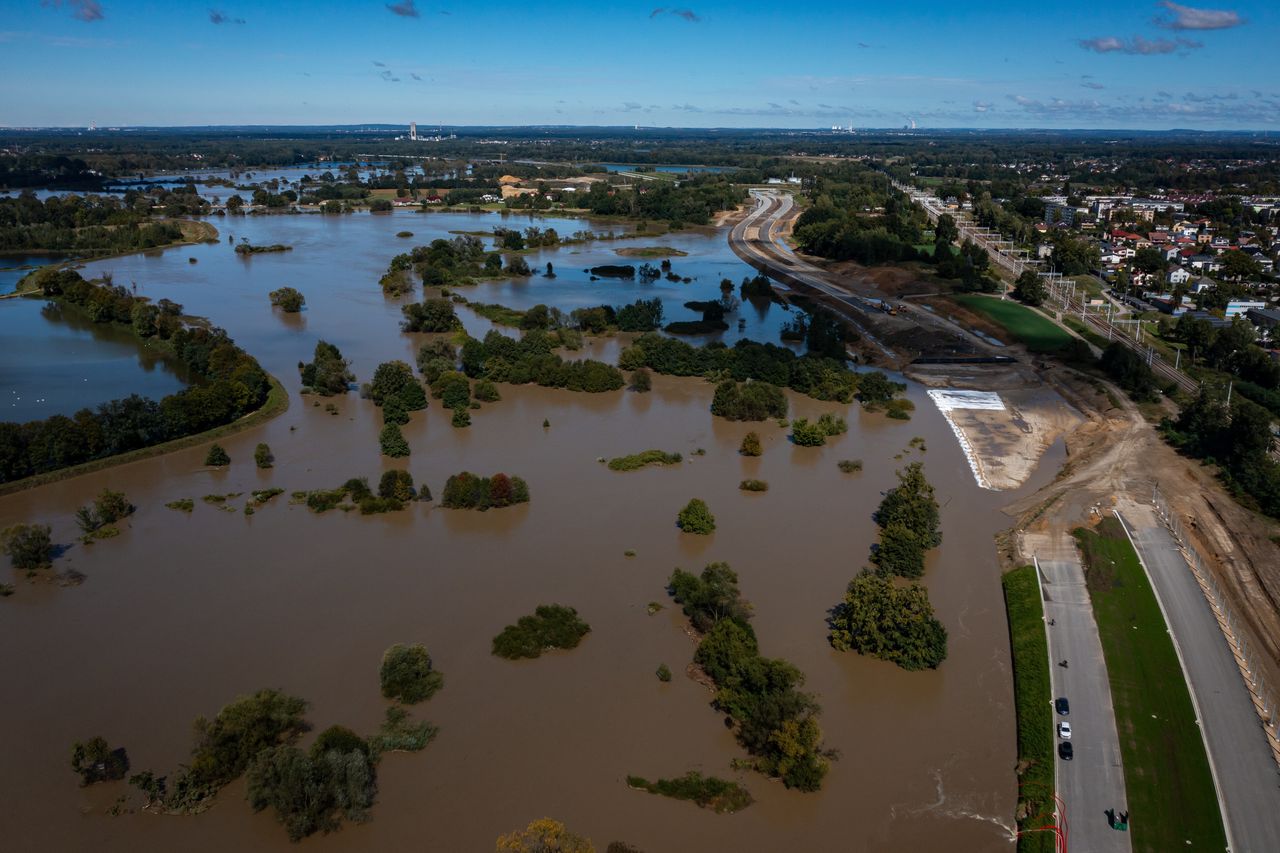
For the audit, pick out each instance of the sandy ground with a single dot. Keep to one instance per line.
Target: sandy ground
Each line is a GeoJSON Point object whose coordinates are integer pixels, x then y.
{"type": "Point", "coordinates": [1005, 444]}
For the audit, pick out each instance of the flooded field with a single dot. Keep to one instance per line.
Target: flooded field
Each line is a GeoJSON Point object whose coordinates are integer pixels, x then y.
{"type": "Point", "coordinates": [181, 613]}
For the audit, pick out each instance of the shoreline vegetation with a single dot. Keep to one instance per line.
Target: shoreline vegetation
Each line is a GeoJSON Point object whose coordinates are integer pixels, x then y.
{"type": "Point", "coordinates": [237, 392]}
{"type": "Point", "coordinates": [1033, 701]}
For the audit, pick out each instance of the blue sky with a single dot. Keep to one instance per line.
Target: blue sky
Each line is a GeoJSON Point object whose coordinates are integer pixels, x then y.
{"type": "Point", "coordinates": [710, 64]}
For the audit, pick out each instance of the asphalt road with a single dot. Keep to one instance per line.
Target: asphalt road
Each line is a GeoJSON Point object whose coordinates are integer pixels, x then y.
{"type": "Point", "coordinates": [1244, 770]}
{"type": "Point", "coordinates": [1093, 781]}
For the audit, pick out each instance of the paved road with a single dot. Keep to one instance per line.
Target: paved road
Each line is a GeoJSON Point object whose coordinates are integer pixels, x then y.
{"type": "Point", "coordinates": [1094, 780]}
{"type": "Point", "coordinates": [756, 239]}
{"type": "Point", "coordinates": [1244, 769]}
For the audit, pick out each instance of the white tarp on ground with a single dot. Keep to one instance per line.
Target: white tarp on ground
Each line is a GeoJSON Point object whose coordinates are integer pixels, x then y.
{"type": "Point", "coordinates": [949, 399]}
{"type": "Point", "coordinates": [952, 398]}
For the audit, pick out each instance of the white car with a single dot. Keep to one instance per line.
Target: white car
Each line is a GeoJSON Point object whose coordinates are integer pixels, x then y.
{"type": "Point", "coordinates": [1064, 731]}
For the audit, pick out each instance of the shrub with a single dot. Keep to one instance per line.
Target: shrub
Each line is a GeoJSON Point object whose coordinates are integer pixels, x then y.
{"type": "Point", "coordinates": [398, 734]}
{"type": "Point", "coordinates": [832, 424]}
{"type": "Point", "coordinates": [393, 442]}
{"type": "Point", "coordinates": [407, 675]}
{"type": "Point", "coordinates": [849, 466]}
{"type": "Point", "coordinates": [182, 505]}
{"type": "Point", "coordinates": [461, 418]}
{"type": "Point", "coordinates": [664, 673]}
{"type": "Point", "coordinates": [696, 517]}
{"type": "Point", "coordinates": [28, 545]}
{"type": "Point", "coordinates": [486, 391]}
{"type": "Point", "coordinates": [708, 792]}
{"type": "Point", "coordinates": [312, 793]}
{"type": "Point", "coordinates": [96, 761]}
{"type": "Point", "coordinates": [750, 445]}
{"type": "Point", "coordinates": [641, 381]}
{"type": "Point", "coordinates": [900, 409]}
{"type": "Point", "coordinates": [217, 457]}
{"type": "Point", "coordinates": [753, 486]}
{"type": "Point", "coordinates": [544, 836]}
{"type": "Point", "coordinates": [750, 401]}
{"type": "Point", "coordinates": [551, 626]}
{"type": "Point", "coordinates": [396, 485]}
{"type": "Point", "coordinates": [288, 300]}
{"type": "Point", "coordinates": [106, 509]}
{"type": "Point", "coordinates": [806, 434]}
{"type": "Point", "coordinates": [263, 457]}
{"type": "Point", "coordinates": [709, 597]}
{"type": "Point", "coordinates": [644, 459]}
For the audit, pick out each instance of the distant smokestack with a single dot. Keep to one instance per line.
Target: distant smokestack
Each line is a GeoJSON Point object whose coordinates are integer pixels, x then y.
{"type": "Point", "coordinates": [413, 131]}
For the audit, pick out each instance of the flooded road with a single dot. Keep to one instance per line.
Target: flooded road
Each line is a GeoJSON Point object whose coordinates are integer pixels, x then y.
{"type": "Point", "coordinates": [181, 613]}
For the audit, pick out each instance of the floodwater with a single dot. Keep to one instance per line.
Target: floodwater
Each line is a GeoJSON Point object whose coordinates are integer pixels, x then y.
{"type": "Point", "coordinates": [56, 361]}
{"type": "Point", "coordinates": [180, 613]}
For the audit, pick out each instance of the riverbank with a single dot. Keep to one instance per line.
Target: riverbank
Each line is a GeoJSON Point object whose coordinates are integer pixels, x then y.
{"type": "Point", "coordinates": [277, 403]}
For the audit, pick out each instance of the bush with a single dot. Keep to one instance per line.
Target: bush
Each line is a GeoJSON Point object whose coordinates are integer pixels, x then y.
{"type": "Point", "coordinates": [750, 445]}
{"type": "Point", "coordinates": [182, 505]}
{"type": "Point", "coordinates": [753, 486]}
{"type": "Point", "coordinates": [551, 626]}
{"type": "Point", "coordinates": [217, 457]}
{"type": "Point", "coordinates": [312, 793]}
{"type": "Point", "coordinates": [396, 485]}
{"type": "Point", "coordinates": [461, 418]}
{"type": "Point", "coordinates": [486, 391]}
{"type": "Point", "coordinates": [889, 622]}
{"type": "Point", "coordinates": [641, 381]}
{"type": "Point", "coordinates": [709, 597]}
{"type": "Point", "coordinates": [263, 457]}
{"type": "Point", "coordinates": [751, 401]}
{"type": "Point", "coordinates": [642, 460]}
{"type": "Point", "coordinates": [431, 315]}
{"type": "Point", "coordinates": [288, 300]}
{"type": "Point", "coordinates": [708, 792]}
{"type": "Point", "coordinates": [96, 761]}
{"type": "Point", "coordinates": [664, 673]}
{"type": "Point", "coordinates": [393, 442]}
{"type": "Point", "coordinates": [900, 409]}
{"type": "Point", "coordinates": [407, 675]}
{"type": "Point", "coordinates": [805, 434]}
{"type": "Point", "coordinates": [29, 546]}
{"type": "Point", "coordinates": [106, 509]}
{"type": "Point", "coordinates": [696, 517]}
{"type": "Point", "coordinates": [850, 466]}
{"type": "Point", "coordinates": [911, 504]}
{"type": "Point", "coordinates": [398, 734]}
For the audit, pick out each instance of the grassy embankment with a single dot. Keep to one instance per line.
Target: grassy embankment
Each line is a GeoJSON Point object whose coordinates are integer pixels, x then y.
{"type": "Point", "coordinates": [277, 402]}
{"type": "Point", "coordinates": [1036, 331]}
{"type": "Point", "coordinates": [1172, 800]}
{"type": "Point", "coordinates": [1033, 699]}
{"type": "Point", "coordinates": [651, 252]}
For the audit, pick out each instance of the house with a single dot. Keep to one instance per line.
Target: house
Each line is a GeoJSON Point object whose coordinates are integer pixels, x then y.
{"type": "Point", "coordinates": [1266, 320]}
{"type": "Point", "coordinates": [1240, 307]}
{"type": "Point", "coordinates": [1204, 263]}
{"type": "Point", "coordinates": [1178, 276]}
{"type": "Point", "coordinates": [1201, 284]}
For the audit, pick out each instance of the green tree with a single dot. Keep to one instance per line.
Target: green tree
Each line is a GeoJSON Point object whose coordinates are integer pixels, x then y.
{"type": "Point", "coordinates": [217, 457]}
{"type": "Point", "coordinates": [641, 381]}
{"type": "Point", "coordinates": [29, 546]}
{"type": "Point", "coordinates": [392, 442]}
{"type": "Point", "coordinates": [709, 597]}
{"type": "Point", "coordinates": [288, 299]}
{"type": "Point", "coordinates": [396, 485]}
{"type": "Point", "coordinates": [407, 675]}
{"type": "Point", "coordinates": [1029, 288]}
{"type": "Point", "coordinates": [806, 434]}
{"type": "Point", "coordinates": [96, 761]}
{"type": "Point", "coordinates": [696, 517]}
{"type": "Point", "coordinates": [878, 618]}
{"type": "Point", "coordinates": [262, 456]}
{"type": "Point", "coordinates": [911, 504]}
{"type": "Point", "coordinates": [750, 445]}
{"type": "Point", "coordinates": [1238, 266]}
{"type": "Point", "coordinates": [391, 378]}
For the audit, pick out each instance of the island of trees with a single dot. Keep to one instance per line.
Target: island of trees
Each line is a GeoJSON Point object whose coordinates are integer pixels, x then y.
{"type": "Point", "coordinates": [773, 719]}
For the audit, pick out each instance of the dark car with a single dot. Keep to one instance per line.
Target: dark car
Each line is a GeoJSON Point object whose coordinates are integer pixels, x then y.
{"type": "Point", "coordinates": [1061, 705]}
{"type": "Point", "coordinates": [1065, 751]}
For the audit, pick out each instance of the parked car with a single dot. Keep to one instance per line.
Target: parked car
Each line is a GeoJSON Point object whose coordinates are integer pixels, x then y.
{"type": "Point", "coordinates": [1065, 752]}
{"type": "Point", "coordinates": [1062, 705]}
{"type": "Point", "coordinates": [1064, 730]}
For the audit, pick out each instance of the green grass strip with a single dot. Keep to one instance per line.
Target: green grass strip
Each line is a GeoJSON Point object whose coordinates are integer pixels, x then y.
{"type": "Point", "coordinates": [1033, 697]}
{"type": "Point", "coordinates": [1025, 325]}
{"type": "Point", "coordinates": [1172, 801]}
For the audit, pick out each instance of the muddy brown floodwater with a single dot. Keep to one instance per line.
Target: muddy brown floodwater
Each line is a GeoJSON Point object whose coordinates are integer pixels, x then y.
{"type": "Point", "coordinates": [180, 614]}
